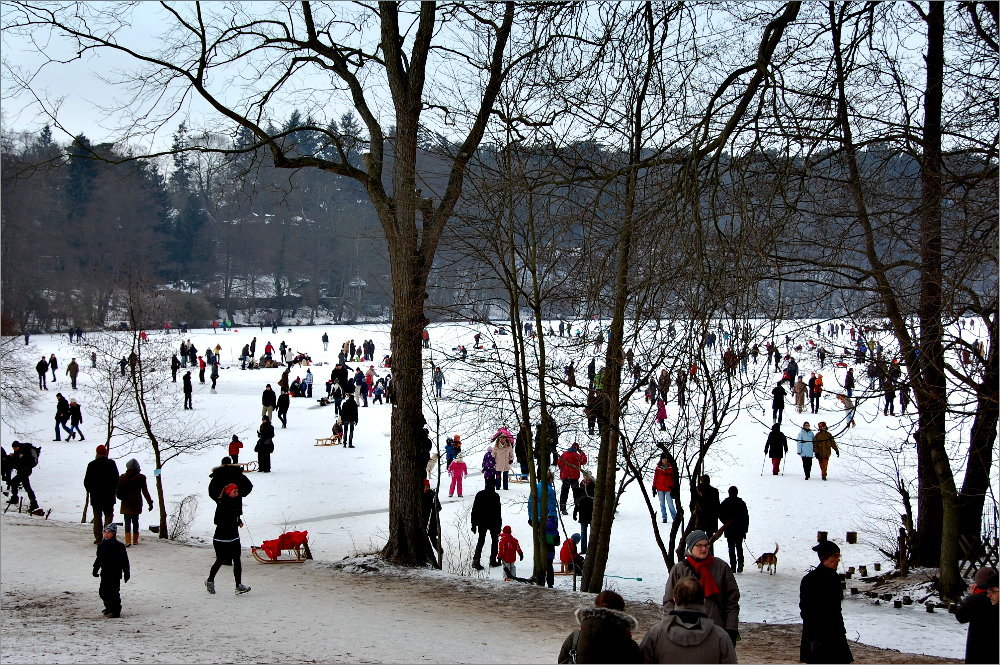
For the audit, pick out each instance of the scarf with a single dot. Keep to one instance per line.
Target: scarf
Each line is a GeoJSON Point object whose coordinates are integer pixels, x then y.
{"type": "Point", "coordinates": [708, 582]}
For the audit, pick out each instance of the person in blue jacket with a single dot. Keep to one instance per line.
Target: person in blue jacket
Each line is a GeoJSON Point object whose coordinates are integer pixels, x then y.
{"type": "Point", "coordinates": [805, 439]}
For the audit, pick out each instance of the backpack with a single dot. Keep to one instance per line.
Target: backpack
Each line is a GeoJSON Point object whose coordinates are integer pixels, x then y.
{"type": "Point", "coordinates": [572, 649]}
{"type": "Point", "coordinates": [33, 453]}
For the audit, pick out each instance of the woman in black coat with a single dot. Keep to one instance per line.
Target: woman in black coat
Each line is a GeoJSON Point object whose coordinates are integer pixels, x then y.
{"type": "Point", "coordinates": [824, 637]}
{"type": "Point", "coordinates": [265, 444]}
{"type": "Point", "coordinates": [776, 447]}
{"type": "Point", "coordinates": [604, 635]}
{"type": "Point", "coordinates": [227, 537]}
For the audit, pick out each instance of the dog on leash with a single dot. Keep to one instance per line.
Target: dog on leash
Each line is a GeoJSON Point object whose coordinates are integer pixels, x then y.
{"type": "Point", "coordinates": [770, 560]}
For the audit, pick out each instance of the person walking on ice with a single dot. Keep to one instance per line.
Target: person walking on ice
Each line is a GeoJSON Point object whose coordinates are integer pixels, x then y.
{"type": "Point", "coordinates": [806, 448]}
{"type": "Point", "coordinates": [458, 470]}
{"type": "Point", "coordinates": [823, 443]}
{"type": "Point", "coordinates": [112, 566]}
{"type": "Point", "coordinates": [226, 540]}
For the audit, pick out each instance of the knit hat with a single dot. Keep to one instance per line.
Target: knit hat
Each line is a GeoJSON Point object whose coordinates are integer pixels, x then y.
{"type": "Point", "coordinates": [427, 483]}
{"type": "Point", "coordinates": [15, 444]}
{"type": "Point", "coordinates": [575, 537]}
{"type": "Point", "coordinates": [102, 451]}
{"type": "Point", "coordinates": [229, 488]}
{"type": "Point", "coordinates": [507, 530]}
{"type": "Point", "coordinates": [986, 578]}
{"type": "Point", "coordinates": [693, 538]}
{"type": "Point", "coordinates": [132, 464]}
{"type": "Point", "coordinates": [227, 460]}
{"type": "Point", "coordinates": [113, 528]}
{"type": "Point", "coordinates": [821, 424]}
{"type": "Point", "coordinates": [826, 548]}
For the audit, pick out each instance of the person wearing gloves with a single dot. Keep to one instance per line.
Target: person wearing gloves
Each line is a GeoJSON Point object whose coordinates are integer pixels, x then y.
{"type": "Point", "coordinates": [486, 517]}
{"type": "Point", "coordinates": [722, 593]}
{"type": "Point", "coordinates": [776, 447]}
{"type": "Point", "coordinates": [687, 634]}
{"type": "Point", "coordinates": [111, 565]}
{"type": "Point", "coordinates": [227, 537]}
{"type": "Point", "coordinates": [132, 489]}
{"type": "Point", "coordinates": [824, 637]}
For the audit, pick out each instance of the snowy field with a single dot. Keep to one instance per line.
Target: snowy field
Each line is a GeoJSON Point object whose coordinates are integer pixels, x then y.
{"type": "Point", "coordinates": [341, 496]}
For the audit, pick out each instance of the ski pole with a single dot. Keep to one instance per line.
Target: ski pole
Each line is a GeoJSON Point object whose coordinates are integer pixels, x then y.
{"type": "Point", "coordinates": [783, 464]}
{"type": "Point", "coordinates": [762, 465]}
{"type": "Point", "coordinates": [620, 577]}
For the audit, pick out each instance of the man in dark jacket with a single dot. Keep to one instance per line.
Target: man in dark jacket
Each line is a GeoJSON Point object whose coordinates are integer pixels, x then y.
{"type": "Point", "coordinates": [226, 473]}
{"type": "Point", "coordinates": [111, 565]}
{"type": "Point", "coordinates": [430, 509]}
{"type": "Point", "coordinates": [282, 404]}
{"type": "Point", "coordinates": [22, 460]}
{"type": "Point", "coordinates": [188, 389]}
{"type": "Point", "coordinates": [824, 637]}
{"type": "Point", "coordinates": [62, 416]}
{"type": "Point", "coordinates": [101, 481]}
{"type": "Point", "coordinates": [486, 516]}
{"type": "Point", "coordinates": [778, 402]}
{"type": "Point", "coordinates": [583, 508]}
{"type": "Point", "coordinates": [705, 505]}
{"type": "Point", "coordinates": [349, 416]}
{"type": "Point", "coordinates": [736, 520]}
{"type": "Point", "coordinates": [979, 610]}
{"type": "Point", "coordinates": [268, 401]}
{"type": "Point", "coordinates": [42, 367]}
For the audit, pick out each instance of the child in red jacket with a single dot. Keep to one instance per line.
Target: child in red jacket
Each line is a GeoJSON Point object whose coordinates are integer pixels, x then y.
{"type": "Point", "coordinates": [568, 555]}
{"type": "Point", "coordinates": [507, 551]}
{"type": "Point", "coordinates": [234, 449]}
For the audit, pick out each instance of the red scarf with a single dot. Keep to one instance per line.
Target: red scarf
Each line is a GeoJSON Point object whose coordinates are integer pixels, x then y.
{"type": "Point", "coordinates": [705, 575]}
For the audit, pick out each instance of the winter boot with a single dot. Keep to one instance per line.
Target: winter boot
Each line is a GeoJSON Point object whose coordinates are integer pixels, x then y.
{"type": "Point", "coordinates": [128, 540]}
{"type": "Point", "coordinates": [135, 538]}
{"type": "Point", "coordinates": [241, 588]}
{"type": "Point", "coordinates": [477, 565]}
{"type": "Point", "coordinates": [210, 585]}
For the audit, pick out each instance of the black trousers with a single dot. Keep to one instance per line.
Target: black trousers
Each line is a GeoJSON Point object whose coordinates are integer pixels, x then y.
{"type": "Point", "coordinates": [22, 480]}
{"type": "Point", "coordinates": [349, 435]}
{"type": "Point", "coordinates": [264, 460]}
{"type": "Point", "coordinates": [735, 553]}
{"type": "Point", "coordinates": [494, 542]}
{"type": "Point", "coordinates": [111, 592]}
{"type": "Point", "coordinates": [807, 465]}
{"type": "Point", "coordinates": [567, 483]}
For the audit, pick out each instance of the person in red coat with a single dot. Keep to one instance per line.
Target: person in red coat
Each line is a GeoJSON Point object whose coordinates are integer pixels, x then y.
{"type": "Point", "coordinates": [234, 449]}
{"type": "Point", "coordinates": [570, 464]}
{"type": "Point", "coordinates": [664, 483]}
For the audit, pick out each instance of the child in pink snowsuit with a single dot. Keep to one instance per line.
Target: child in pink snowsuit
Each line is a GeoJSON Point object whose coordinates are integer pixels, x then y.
{"type": "Point", "coordinates": [458, 470]}
{"type": "Point", "coordinates": [661, 414]}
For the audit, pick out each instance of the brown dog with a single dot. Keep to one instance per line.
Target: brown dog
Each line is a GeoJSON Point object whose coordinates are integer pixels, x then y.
{"type": "Point", "coordinates": [769, 559]}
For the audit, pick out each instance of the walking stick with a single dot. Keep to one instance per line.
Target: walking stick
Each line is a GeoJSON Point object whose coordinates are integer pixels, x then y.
{"type": "Point", "coordinates": [86, 504]}
{"type": "Point", "coordinates": [762, 465]}
{"type": "Point", "coordinates": [783, 464]}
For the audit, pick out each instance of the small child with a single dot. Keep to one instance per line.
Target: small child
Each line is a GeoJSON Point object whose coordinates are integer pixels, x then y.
{"type": "Point", "coordinates": [111, 565]}
{"type": "Point", "coordinates": [338, 431]}
{"type": "Point", "coordinates": [568, 555]}
{"type": "Point", "coordinates": [458, 470]}
{"type": "Point", "coordinates": [661, 414]}
{"type": "Point", "coordinates": [234, 449]}
{"type": "Point", "coordinates": [508, 551]}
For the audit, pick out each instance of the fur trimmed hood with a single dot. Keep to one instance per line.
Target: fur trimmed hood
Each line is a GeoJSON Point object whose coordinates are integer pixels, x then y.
{"type": "Point", "coordinates": [623, 619]}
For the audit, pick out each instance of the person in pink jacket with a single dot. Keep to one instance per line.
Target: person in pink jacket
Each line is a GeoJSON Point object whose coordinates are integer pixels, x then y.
{"type": "Point", "coordinates": [458, 470]}
{"type": "Point", "coordinates": [661, 414]}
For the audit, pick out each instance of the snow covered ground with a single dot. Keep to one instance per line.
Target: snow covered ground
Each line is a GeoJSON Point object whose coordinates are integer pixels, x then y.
{"type": "Point", "coordinates": [341, 496]}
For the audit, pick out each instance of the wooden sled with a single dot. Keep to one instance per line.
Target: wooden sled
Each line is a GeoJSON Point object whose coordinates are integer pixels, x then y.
{"type": "Point", "coordinates": [564, 569]}
{"type": "Point", "coordinates": [329, 441]}
{"type": "Point", "coordinates": [296, 554]}
{"type": "Point", "coordinates": [516, 478]}
{"type": "Point", "coordinates": [252, 465]}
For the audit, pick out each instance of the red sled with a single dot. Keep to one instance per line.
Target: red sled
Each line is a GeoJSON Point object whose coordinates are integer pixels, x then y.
{"type": "Point", "coordinates": [293, 544]}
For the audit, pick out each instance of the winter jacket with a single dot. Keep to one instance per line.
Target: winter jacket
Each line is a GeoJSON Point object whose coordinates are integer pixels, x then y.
{"type": "Point", "coordinates": [450, 451]}
{"type": "Point", "coordinates": [75, 414]}
{"type": "Point", "coordinates": [605, 636]}
{"type": "Point", "coordinates": [778, 400]}
{"type": "Point", "coordinates": [73, 368]}
{"type": "Point", "coordinates": [227, 517]}
{"type": "Point", "coordinates": [567, 553]}
{"type": "Point", "coordinates": [268, 398]}
{"type": "Point", "coordinates": [62, 410]}
{"type": "Point", "coordinates": [706, 501]}
{"type": "Point", "coordinates": [283, 402]}
{"type": "Point", "coordinates": [458, 469]}
{"type": "Point", "coordinates": [486, 510]}
{"type": "Point", "coordinates": [799, 390]}
{"type": "Point", "coordinates": [101, 480]}
{"type": "Point", "coordinates": [824, 638]}
{"type": "Point", "coordinates": [224, 474]}
{"type": "Point", "coordinates": [570, 463]}
{"type": "Point", "coordinates": [664, 479]}
{"type": "Point", "coordinates": [823, 443]}
{"type": "Point", "coordinates": [503, 456]}
{"type": "Point", "coordinates": [583, 506]}
{"type": "Point", "coordinates": [509, 549]}
{"type": "Point", "coordinates": [981, 615]}
{"type": "Point", "coordinates": [687, 635]}
{"type": "Point", "coordinates": [112, 559]}
{"type": "Point", "coordinates": [131, 490]}
{"type": "Point", "coordinates": [661, 411]}
{"type": "Point", "coordinates": [724, 607]}
{"type": "Point", "coordinates": [42, 366]}
{"type": "Point", "coordinates": [805, 440]}
{"type": "Point", "coordinates": [234, 447]}
{"type": "Point", "coordinates": [489, 466]}
{"type": "Point", "coordinates": [349, 412]}
{"type": "Point", "coordinates": [186, 381]}
{"type": "Point", "coordinates": [776, 446]}
{"type": "Point", "coordinates": [521, 446]}
{"type": "Point", "coordinates": [733, 510]}
{"type": "Point", "coordinates": [552, 500]}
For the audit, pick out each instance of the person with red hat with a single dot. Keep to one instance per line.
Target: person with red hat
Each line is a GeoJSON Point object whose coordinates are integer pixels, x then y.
{"type": "Point", "coordinates": [226, 540]}
{"type": "Point", "coordinates": [101, 482]}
